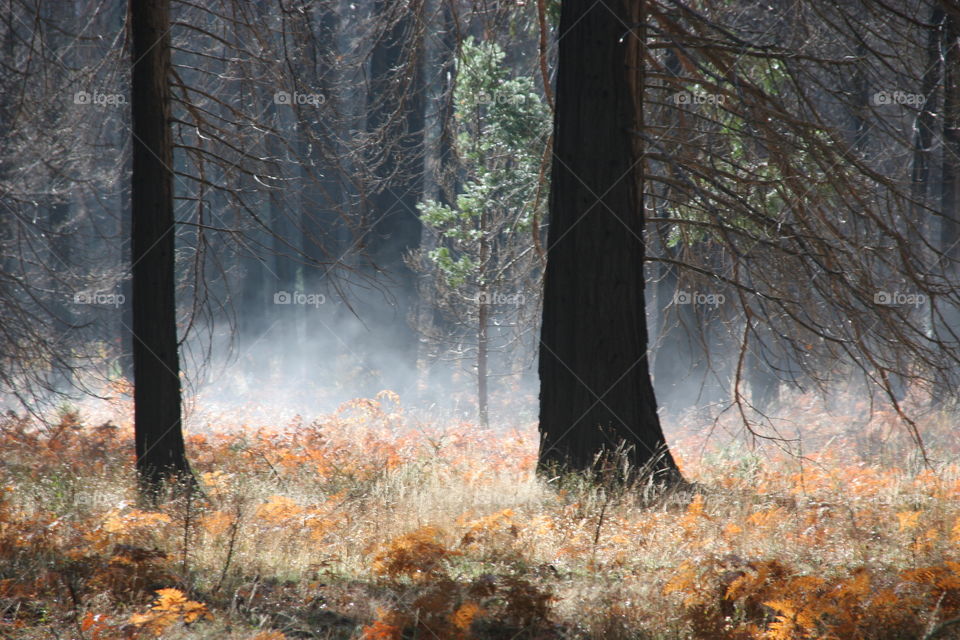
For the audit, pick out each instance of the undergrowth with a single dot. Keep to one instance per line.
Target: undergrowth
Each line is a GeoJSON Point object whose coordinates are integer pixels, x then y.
{"type": "Point", "coordinates": [364, 526]}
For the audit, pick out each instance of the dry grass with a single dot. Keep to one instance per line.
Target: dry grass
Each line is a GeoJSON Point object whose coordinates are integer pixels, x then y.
{"type": "Point", "coordinates": [363, 526]}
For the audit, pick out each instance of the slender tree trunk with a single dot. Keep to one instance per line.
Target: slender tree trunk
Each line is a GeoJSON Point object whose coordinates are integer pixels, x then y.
{"type": "Point", "coordinates": [285, 266]}
{"type": "Point", "coordinates": [918, 224]}
{"type": "Point", "coordinates": [320, 193]}
{"type": "Point", "coordinates": [923, 139]}
{"type": "Point", "coordinates": [60, 212]}
{"type": "Point", "coordinates": [950, 225]}
{"type": "Point", "coordinates": [483, 321]}
{"type": "Point", "coordinates": [596, 396]}
{"type": "Point", "coordinates": [860, 114]}
{"type": "Point", "coordinates": [61, 248]}
{"type": "Point", "coordinates": [256, 299]}
{"type": "Point", "coordinates": [159, 438]}
{"type": "Point", "coordinates": [483, 401]}
{"type": "Point", "coordinates": [117, 203]}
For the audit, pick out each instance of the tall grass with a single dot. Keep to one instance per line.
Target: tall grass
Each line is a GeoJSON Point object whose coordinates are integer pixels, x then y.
{"type": "Point", "coordinates": [363, 525]}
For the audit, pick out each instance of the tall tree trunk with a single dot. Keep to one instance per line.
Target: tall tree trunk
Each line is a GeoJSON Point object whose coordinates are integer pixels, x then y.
{"type": "Point", "coordinates": [62, 260]}
{"type": "Point", "coordinates": [483, 323]}
{"type": "Point", "coordinates": [483, 346]}
{"type": "Point", "coordinates": [60, 212]}
{"type": "Point", "coordinates": [438, 162]}
{"type": "Point", "coordinates": [923, 139]}
{"type": "Point", "coordinates": [396, 114]}
{"type": "Point", "coordinates": [321, 192]}
{"type": "Point", "coordinates": [918, 223]}
{"type": "Point", "coordinates": [950, 225]}
{"type": "Point", "coordinates": [596, 394]}
{"type": "Point", "coordinates": [158, 431]}
{"type": "Point", "coordinates": [285, 265]}
{"type": "Point", "coordinates": [948, 316]}
{"type": "Point", "coordinates": [860, 115]}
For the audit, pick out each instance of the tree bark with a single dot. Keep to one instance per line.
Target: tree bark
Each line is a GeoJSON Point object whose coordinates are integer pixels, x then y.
{"type": "Point", "coordinates": [160, 448]}
{"type": "Point", "coordinates": [596, 396]}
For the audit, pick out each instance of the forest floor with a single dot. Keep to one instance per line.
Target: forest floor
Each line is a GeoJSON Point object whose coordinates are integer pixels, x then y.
{"type": "Point", "coordinates": [363, 525]}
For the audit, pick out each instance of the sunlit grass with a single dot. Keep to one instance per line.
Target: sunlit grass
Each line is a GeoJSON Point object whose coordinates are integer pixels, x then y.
{"type": "Point", "coordinates": [365, 525]}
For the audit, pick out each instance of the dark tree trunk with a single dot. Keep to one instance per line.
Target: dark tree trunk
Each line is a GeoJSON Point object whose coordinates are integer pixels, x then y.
{"type": "Point", "coordinates": [321, 191]}
{"type": "Point", "coordinates": [438, 165]}
{"type": "Point", "coordinates": [254, 297]}
{"type": "Point", "coordinates": [62, 258]}
{"type": "Point", "coordinates": [950, 225]}
{"type": "Point", "coordinates": [918, 223]}
{"type": "Point", "coordinates": [860, 115]}
{"type": "Point", "coordinates": [946, 316]}
{"type": "Point", "coordinates": [596, 394]}
{"type": "Point", "coordinates": [283, 249]}
{"type": "Point", "coordinates": [159, 436]}
{"type": "Point", "coordinates": [923, 137]}
{"type": "Point", "coordinates": [59, 218]}
{"type": "Point", "coordinates": [396, 114]}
